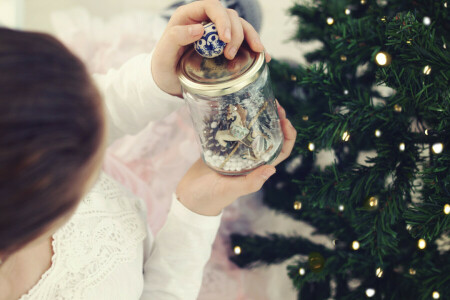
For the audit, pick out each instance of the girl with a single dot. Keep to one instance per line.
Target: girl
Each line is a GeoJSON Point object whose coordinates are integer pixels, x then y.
{"type": "Point", "coordinates": [69, 231]}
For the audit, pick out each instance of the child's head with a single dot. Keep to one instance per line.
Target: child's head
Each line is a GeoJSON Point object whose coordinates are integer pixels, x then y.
{"type": "Point", "coordinates": [51, 135]}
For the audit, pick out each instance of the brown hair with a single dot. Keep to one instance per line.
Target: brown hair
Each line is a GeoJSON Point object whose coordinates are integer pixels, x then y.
{"type": "Point", "coordinates": [51, 129]}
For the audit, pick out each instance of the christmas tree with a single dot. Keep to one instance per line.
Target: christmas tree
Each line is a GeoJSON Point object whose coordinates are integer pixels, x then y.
{"type": "Point", "coordinates": [378, 87]}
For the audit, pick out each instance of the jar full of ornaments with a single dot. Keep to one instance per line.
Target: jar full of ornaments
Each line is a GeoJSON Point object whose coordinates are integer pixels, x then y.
{"type": "Point", "coordinates": [233, 109]}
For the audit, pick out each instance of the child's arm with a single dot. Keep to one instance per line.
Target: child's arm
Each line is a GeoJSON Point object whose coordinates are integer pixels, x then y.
{"type": "Point", "coordinates": [173, 267]}
{"type": "Point", "coordinates": [132, 99]}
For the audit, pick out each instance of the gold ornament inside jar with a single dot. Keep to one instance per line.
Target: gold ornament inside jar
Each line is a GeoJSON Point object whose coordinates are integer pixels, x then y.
{"type": "Point", "coordinates": [233, 109]}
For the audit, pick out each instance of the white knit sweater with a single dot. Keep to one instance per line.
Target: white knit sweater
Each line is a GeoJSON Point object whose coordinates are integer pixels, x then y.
{"type": "Point", "coordinates": [106, 250]}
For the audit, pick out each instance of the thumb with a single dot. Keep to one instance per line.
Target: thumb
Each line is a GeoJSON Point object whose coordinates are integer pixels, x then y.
{"type": "Point", "coordinates": [253, 181]}
{"type": "Point", "coordinates": [181, 35]}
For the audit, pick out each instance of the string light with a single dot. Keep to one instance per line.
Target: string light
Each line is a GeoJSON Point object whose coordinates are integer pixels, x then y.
{"type": "Point", "coordinates": [402, 147]}
{"type": "Point", "coordinates": [447, 209]}
{"type": "Point", "coordinates": [301, 271]}
{"type": "Point", "coordinates": [297, 205]}
{"type": "Point", "coordinates": [409, 42]}
{"type": "Point", "coordinates": [311, 147]}
{"type": "Point", "coordinates": [377, 133]}
{"type": "Point", "coordinates": [341, 207]}
{"type": "Point", "coordinates": [383, 19]}
{"type": "Point", "coordinates": [408, 227]}
{"type": "Point", "coordinates": [345, 92]}
{"type": "Point", "coordinates": [370, 292]}
{"type": "Point", "coordinates": [343, 57]}
{"type": "Point", "coordinates": [305, 118]}
{"type": "Point", "coordinates": [426, 21]}
{"type": "Point", "coordinates": [293, 77]}
{"type": "Point", "coordinates": [237, 250]}
{"type": "Point", "coordinates": [383, 59]}
{"type": "Point", "coordinates": [355, 245]}
{"type": "Point", "coordinates": [437, 148]}
{"type": "Point", "coordinates": [345, 136]}
{"type": "Point", "coordinates": [379, 272]}
{"type": "Point", "coordinates": [427, 70]}
{"type": "Point", "coordinates": [436, 295]}
{"type": "Point", "coordinates": [347, 11]}
{"type": "Point", "coordinates": [412, 271]}
{"type": "Point", "coordinates": [363, 2]}
{"type": "Point", "coordinates": [398, 108]}
{"type": "Point", "coordinates": [426, 132]}
{"type": "Point", "coordinates": [330, 21]}
{"type": "Point", "coordinates": [421, 244]}
{"type": "Point", "coordinates": [373, 201]}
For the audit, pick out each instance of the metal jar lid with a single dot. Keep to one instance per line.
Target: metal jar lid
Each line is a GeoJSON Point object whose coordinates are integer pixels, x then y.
{"type": "Point", "coordinates": [219, 76]}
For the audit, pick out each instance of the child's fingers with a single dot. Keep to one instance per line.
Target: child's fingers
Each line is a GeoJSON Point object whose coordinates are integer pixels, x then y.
{"type": "Point", "coordinates": [267, 56]}
{"type": "Point", "coordinates": [281, 111]}
{"type": "Point", "coordinates": [237, 186]}
{"type": "Point", "coordinates": [237, 34]}
{"type": "Point", "coordinates": [199, 11]}
{"type": "Point", "coordinates": [174, 39]}
{"type": "Point", "coordinates": [251, 36]}
{"type": "Point", "coordinates": [290, 135]}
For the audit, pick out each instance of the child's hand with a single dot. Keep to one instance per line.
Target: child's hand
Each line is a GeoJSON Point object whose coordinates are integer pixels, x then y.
{"type": "Point", "coordinates": [184, 28]}
{"type": "Point", "coordinates": [206, 192]}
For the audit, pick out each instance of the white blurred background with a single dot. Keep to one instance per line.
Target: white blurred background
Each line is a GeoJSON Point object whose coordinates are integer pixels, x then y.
{"type": "Point", "coordinates": [276, 29]}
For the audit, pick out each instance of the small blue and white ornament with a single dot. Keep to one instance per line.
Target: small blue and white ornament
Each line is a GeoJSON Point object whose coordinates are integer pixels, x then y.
{"type": "Point", "coordinates": [210, 45]}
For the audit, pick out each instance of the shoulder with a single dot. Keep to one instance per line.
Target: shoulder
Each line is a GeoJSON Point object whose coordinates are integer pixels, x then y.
{"type": "Point", "coordinates": [102, 241]}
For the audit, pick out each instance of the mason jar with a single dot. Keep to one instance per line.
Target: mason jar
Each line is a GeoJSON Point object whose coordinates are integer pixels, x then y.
{"type": "Point", "coordinates": [233, 110]}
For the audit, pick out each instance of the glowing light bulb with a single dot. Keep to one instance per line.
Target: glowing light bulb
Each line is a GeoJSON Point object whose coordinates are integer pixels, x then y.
{"type": "Point", "coordinates": [422, 244]}
{"type": "Point", "coordinates": [397, 108]}
{"type": "Point", "coordinates": [379, 272]}
{"type": "Point", "coordinates": [437, 148]}
{"type": "Point", "coordinates": [297, 205]}
{"type": "Point", "coordinates": [412, 271]}
{"type": "Point", "coordinates": [363, 2]}
{"type": "Point", "coordinates": [355, 245]}
{"type": "Point", "coordinates": [447, 209]}
{"type": "Point", "coordinates": [237, 250]}
{"type": "Point", "coordinates": [408, 227]}
{"type": "Point", "coordinates": [426, 21]}
{"type": "Point", "coordinates": [305, 118]}
{"type": "Point", "coordinates": [311, 147]}
{"type": "Point", "coordinates": [341, 207]}
{"type": "Point", "coordinates": [436, 295]}
{"type": "Point", "coordinates": [330, 21]}
{"type": "Point", "coordinates": [345, 92]}
{"type": "Point", "coordinates": [373, 201]}
{"type": "Point", "coordinates": [370, 292]}
{"type": "Point", "coordinates": [293, 77]}
{"type": "Point", "coordinates": [301, 271]}
{"type": "Point", "coordinates": [347, 11]}
{"type": "Point", "coordinates": [345, 136]}
{"type": "Point", "coordinates": [382, 59]}
{"type": "Point", "coordinates": [377, 133]}
{"type": "Point", "coordinates": [402, 147]}
{"type": "Point", "coordinates": [427, 70]}
{"type": "Point", "coordinates": [343, 58]}
{"type": "Point", "coordinates": [426, 132]}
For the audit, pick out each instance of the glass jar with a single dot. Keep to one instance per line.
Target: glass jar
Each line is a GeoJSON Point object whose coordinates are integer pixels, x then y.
{"type": "Point", "coordinates": [233, 110]}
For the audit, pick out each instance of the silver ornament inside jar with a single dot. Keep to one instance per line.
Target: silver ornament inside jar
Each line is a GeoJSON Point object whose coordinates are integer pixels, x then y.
{"type": "Point", "coordinates": [233, 110]}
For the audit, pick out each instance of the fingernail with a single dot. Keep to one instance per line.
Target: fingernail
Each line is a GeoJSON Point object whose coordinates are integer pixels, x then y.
{"type": "Point", "coordinates": [195, 30]}
{"type": "Point", "coordinates": [290, 124]}
{"type": "Point", "coordinates": [227, 35]}
{"type": "Point", "coordinates": [268, 172]}
{"type": "Point", "coordinates": [258, 43]}
{"type": "Point", "coordinates": [278, 103]}
{"type": "Point", "coordinates": [232, 51]}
